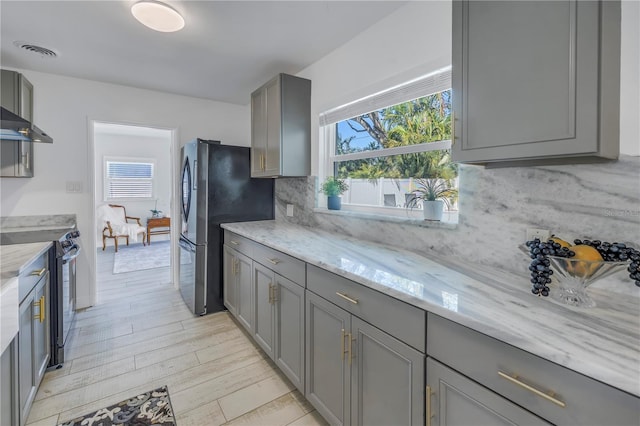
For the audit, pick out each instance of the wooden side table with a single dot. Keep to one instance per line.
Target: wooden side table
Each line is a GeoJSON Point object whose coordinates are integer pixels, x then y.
{"type": "Point", "coordinates": [164, 223]}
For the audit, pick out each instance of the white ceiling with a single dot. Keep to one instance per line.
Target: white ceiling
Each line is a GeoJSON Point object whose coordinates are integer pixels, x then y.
{"type": "Point", "coordinates": [226, 50]}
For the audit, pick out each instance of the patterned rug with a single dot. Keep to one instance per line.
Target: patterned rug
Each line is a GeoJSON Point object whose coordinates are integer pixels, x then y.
{"type": "Point", "coordinates": [149, 408]}
{"type": "Point", "coordinates": [137, 257]}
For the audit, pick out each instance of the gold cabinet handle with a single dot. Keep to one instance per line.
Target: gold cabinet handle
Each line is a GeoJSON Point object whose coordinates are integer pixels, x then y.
{"type": "Point", "coordinates": [236, 266]}
{"type": "Point", "coordinates": [453, 128]}
{"type": "Point", "coordinates": [350, 352]}
{"type": "Point", "coordinates": [342, 334]}
{"type": "Point", "coordinates": [235, 243]}
{"type": "Point", "coordinates": [345, 297]}
{"type": "Point", "coordinates": [549, 396]}
{"type": "Point", "coordinates": [41, 305]}
{"type": "Point", "coordinates": [270, 294]}
{"type": "Point", "coordinates": [273, 261]}
{"type": "Point", "coordinates": [428, 416]}
{"type": "Point", "coordinates": [39, 272]}
{"type": "Point", "coordinates": [274, 296]}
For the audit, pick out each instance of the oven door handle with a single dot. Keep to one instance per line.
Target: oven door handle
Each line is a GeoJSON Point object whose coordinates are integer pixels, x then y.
{"type": "Point", "coordinates": [69, 256]}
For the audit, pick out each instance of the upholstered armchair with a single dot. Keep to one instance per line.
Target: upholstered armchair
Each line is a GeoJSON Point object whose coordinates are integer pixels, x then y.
{"type": "Point", "coordinates": [118, 225]}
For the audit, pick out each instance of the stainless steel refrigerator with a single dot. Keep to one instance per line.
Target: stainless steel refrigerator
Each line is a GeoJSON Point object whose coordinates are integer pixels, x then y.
{"type": "Point", "coordinates": [216, 188]}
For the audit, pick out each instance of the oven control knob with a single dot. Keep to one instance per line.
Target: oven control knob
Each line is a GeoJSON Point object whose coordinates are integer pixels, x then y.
{"type": "Point", "coordinates": [74, 234]}
{"type": "Point", "coordinates": [66, 244]}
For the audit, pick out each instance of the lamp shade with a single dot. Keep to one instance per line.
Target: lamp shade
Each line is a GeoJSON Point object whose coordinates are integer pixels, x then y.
{"type": "Point", "coordinates": [157, 16]}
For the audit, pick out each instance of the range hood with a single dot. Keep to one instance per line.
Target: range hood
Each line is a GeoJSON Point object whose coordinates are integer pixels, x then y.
{"type": "Point", "coordinates": [16, 128]}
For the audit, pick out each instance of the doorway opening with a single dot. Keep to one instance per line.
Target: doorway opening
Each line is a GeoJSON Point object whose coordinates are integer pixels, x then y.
{"type": "Point", "coordinates": [132, 203]}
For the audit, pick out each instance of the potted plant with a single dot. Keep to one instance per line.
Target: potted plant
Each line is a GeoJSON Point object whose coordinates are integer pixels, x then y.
{"type": "Point", "coordinates": [434, 193]}
{"type": "Point", "coordinates": [333, 187]}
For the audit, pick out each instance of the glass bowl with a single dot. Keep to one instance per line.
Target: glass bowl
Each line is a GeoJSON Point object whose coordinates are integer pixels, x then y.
{"type": "Point", "coordinates": [571, 277]}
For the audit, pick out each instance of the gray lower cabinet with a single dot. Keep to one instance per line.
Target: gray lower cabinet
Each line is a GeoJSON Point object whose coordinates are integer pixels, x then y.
{"type": "Point", "coordinates": [536, 81]}
{"type": "Point", "coordinates": [454, 400]}
{"type": "Point", "coordinates": [244, 291]}
{"type": "Point", "coordinates": [9, 404]}
{"type": "Point", "coordinates": [264, 308]}
{"type": "Point", "coordinates": [33, 344]}
{"type": "Point", "coordinates": [356, 373]}
{"type": "Point", "coordinates": [229, 279]}
{"type": "Point", "coordinates": [279, 321]}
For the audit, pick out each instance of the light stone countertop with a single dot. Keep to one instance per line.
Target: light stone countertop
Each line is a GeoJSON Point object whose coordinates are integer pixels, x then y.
{"type": "Point", "coordinates": [14, 258]}
{"type": "Point", "coordinates": [602, 343]}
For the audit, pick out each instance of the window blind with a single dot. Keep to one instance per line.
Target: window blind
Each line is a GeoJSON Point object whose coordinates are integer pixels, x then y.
{"type": "Point", "coordinates": [429, 84]}
{"type": "Point", "coordinates": [129, 179]}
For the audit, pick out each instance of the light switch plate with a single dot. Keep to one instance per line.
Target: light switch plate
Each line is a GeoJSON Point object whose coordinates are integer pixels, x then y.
{"type": "Point", "coordinates": [290, 210]}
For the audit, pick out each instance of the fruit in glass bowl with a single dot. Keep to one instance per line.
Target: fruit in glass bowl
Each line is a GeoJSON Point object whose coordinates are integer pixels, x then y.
{"type": "Point", "coordinates": [576, 267]}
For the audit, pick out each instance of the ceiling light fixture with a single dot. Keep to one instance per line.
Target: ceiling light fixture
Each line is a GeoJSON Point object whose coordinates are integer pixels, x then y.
{"type": "Point", "coordinates": [157, 16]}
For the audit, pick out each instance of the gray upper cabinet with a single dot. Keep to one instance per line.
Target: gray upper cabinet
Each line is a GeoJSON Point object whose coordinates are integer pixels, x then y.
{"type": "Point", "coordinates": [536, 82]}
{"type": "Point", "coordinates": [16, 94]}
{"type": "Point", "coordinates": [455, 400]}
{"type": "Point", "coordinates": [281, 128]}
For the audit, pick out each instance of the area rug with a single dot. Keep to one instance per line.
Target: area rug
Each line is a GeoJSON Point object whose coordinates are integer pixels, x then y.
{"type": "Point", "coordinates": [149, 408]}
{"type": "Point", "coordinates": [138, 257]}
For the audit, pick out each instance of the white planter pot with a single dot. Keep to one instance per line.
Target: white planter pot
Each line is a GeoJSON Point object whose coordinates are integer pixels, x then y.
{"type": "Point", "coordinates": [433, 209]}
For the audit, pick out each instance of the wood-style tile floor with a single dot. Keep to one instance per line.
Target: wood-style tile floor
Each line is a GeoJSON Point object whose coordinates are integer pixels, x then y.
{"type": "Point", "coordinates": [141, 336]}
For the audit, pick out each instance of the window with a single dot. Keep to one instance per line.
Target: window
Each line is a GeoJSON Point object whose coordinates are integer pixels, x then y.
{"type": "Point", "coordinates": [128, 179]}
{"type": "Point", "coordinates": [389, 145]}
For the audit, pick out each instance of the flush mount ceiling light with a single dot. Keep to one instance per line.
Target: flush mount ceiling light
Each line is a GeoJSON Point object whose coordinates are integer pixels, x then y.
{"type": "Point", "coordinates": [157, 16]}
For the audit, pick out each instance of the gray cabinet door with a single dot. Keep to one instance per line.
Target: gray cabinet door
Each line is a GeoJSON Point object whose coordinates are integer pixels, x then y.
{"type": "Point", "coordinates": [328, 383]}
{"type": "Point", "coordinates": [274, 122]}
{"type": "Point", "coordinates": [387, 379]}
{"type": "Point", "coordinates": [229, 260]}
{"type": "Point", "coordinates": [258, 132]}
{"type": "Point", "coordinates": [16, 96]}
{"type": "Point", "coordinates": [528, 82]}
{"type": "Point", "coordinates": [264, 308]}
{"type": "Point", "coordinates": [27, 380]}
{"type": "Point", "coordinates": [9, 409]}
{"type": "Point", "coordinates": [457, 400]}
{"type": "Point", "coordinates": [289, 325]}
{"type": "Point", "coordinates": [244, 287]}
{"type": "Point", "coordinates": [41, 329]}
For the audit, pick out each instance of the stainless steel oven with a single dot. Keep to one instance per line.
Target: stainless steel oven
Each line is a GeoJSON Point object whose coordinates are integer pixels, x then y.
{"type": "Point", "coordinates": [64, 295]}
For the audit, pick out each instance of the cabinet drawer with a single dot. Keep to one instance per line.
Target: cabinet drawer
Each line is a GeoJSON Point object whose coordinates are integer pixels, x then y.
{"type": "Point", "coordinates": [403, 321]}
{"type": "Point", "coordinates": [486, 360]}
{"type": "Point", "coordinates": [238, 243]}
{"type": "Point", "coordinates": [283, 264]}
{"type": "Point", "coordinates": [32, 274]}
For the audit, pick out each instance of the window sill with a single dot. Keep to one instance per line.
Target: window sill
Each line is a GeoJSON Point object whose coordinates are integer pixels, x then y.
{"type": "Point", "coordinates": [412, 221]}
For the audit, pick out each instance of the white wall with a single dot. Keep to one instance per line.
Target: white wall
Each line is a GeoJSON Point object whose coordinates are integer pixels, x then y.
{"type": "Point", "coordinates": [128, 146]}
{"type": "Point", "coordinates": [63, 107]}
{"type": "Point", "coordinates": [629, 78]}
{"type": "Point", "coordinates": [410, 42]}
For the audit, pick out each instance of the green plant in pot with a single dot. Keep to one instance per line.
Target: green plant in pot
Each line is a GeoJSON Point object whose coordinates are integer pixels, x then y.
{"type": "Point", "coordinates": [333, 187]}
{"type": "Point", "coordinates": [435, 194]}
{"type": "Point", "coordinates": [435, 187]}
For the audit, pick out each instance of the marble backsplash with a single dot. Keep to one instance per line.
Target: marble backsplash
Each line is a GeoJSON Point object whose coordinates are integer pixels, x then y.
{"type": "Point", "coordinates": [594, 201]}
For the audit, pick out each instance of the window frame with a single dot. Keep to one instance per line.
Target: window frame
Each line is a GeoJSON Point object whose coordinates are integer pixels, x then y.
{"type": "Point", "coordinates": [107, 179]}
{"type": "Point", "coordinates": [434, 82]}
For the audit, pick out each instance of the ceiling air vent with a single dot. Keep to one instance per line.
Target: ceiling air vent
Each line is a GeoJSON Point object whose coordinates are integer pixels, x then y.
{"type": "Point", "coordinates": [34, 48]}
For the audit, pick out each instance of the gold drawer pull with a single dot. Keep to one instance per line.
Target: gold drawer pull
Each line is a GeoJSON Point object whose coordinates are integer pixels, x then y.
{"type": "Point", "coordinates": [548, 396]}
{"type": "Point", "coordinates": [235, 243]}
{"type": "Point", "coordinates": [342, 335]}
{"type": "Point", "coordinates": [274, 261]}
{"type": "Point", "coordinates": [345, 297]}
{"type": "Point", "coordinates": [39, 272]}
